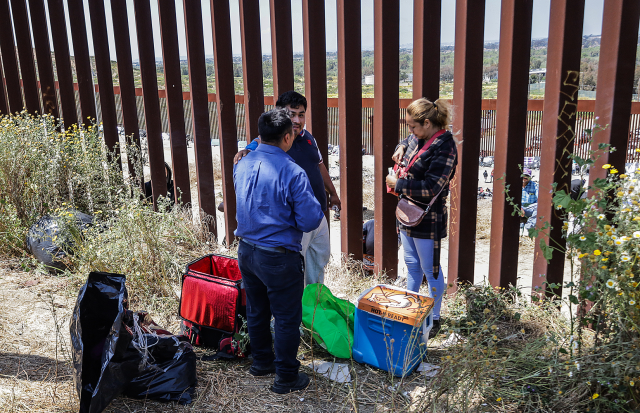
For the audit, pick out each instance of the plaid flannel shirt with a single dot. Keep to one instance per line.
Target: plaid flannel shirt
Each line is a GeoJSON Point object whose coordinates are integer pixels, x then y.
{"type": "Point", "coordinates": [430, 173]}
{"type": "Point", "coordinates": [529, 193]}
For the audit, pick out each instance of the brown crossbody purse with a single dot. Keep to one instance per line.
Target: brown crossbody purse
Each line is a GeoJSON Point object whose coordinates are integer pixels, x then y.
{"type": "Point", "coordinates": [409, 213]}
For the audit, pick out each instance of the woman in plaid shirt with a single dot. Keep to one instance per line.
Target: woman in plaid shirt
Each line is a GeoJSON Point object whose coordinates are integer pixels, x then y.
{"type": "Point", "coordinates": [429, 173]}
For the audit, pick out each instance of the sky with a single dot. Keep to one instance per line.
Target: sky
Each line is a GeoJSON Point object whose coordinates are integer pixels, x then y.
{"type": "Point", "coordinates": [592, 24]}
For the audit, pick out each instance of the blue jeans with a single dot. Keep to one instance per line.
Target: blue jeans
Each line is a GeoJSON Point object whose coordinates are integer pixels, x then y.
{"type": "Point", "coordinates": [418, 255]}
{"type": "Point", "coordinates": [273, 282]}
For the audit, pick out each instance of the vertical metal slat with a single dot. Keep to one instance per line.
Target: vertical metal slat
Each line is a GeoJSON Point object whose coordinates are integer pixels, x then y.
{"type": "Point", "coordinates": [174, 108]}
{"type": "Point", "coordinates": [515, 31]}
{"type": "Point", "coordinates": [225, 99]}
{"type": "Point", "coordinates": [199, 109]}
{"type": "Point", "coordinates": [350, 126]}
{"type": "Point", "coordinates": [386, 16]}
{"type": "Point", "coordinates": [142, 10]}
{"type": "Point", "coordinates": [43, 57]}
{"type": "Point", "coordinates": [57, 20]}
{"type": "Point", "coordinates": [467, 97]}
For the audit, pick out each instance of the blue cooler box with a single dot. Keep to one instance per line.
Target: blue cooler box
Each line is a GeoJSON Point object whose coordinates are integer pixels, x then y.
{"type": "Point", "coordinates": [391, 328]}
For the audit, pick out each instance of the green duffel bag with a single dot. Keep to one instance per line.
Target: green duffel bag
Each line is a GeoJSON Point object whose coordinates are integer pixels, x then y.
{"type": "Point", "coordinates": [330, 319]}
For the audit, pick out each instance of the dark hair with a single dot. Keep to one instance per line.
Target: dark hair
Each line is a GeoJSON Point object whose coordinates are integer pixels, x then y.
{"type": "Point", "coordinates": [293, 99]}
{"type": "Point", "coordinates": [274, 124]}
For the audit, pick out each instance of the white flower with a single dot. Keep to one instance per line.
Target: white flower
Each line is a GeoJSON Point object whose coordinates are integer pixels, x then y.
{"type": "Point", "coordinates": [570, 374]}
{"type": "Point", "coordinates": [611, 283]}
{"type": "Point", "coordinates": [614, 237]}
{"type": "Point", "coordinates": [625, 258]}
{"type": "Point", "coordinates": [636, 234]}
{"type": "Point", "coordinates": [619, 242]}
{"type": "Point", "coordinates": [583, 238]}
{"type": "Point", "coordinates": [632, 302]}
{"type": "Point", "coordinates": [601, 216]}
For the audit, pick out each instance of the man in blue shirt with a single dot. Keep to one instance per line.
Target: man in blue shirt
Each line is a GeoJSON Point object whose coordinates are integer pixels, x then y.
{"type": "Point", "coordinates": [529, 189]}
{"type": "Point", "coordinates": [275, 206]}
{"type": "Point", "coordinates": [316, 248]}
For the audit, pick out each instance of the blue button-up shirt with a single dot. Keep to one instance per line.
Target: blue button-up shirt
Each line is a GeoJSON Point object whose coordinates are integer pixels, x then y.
{"type": "Point", "coordinates": [305, 153]}
{"type": "Point", "coordinates": [529, 193]}
{"type": "Point", "coordinates": [275, 202]}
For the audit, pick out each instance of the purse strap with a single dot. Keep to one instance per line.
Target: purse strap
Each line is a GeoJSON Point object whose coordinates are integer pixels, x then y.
{"type": "Point", "coordinates": [424, 148]}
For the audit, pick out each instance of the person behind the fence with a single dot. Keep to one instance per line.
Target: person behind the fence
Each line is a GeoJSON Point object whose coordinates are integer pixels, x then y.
{"type": "Point", "coordinates": [148, 193]}
{"type": "Point", "coordinates": [316, 247]}
{"type": "Point", "coordinates": [429, 173]}
{"type": "Point", "coordinates": [275, 206]}
{"type": "Point", "coordinates": [529, 188]}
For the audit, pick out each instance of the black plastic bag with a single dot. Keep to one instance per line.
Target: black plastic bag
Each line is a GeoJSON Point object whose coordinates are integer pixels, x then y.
{"type": "Point", "coordinates": [50, 243]}
{"type": "Point", "coordinates": [116, 351]}
{"type": "Point", "coordinates": [95, 332]}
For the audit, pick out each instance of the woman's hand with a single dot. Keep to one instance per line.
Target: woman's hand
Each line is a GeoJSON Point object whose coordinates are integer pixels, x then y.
{"type": "Point", "coordinates": [391, 181]}
{"type": "Point", "coordinates": [398, 154]}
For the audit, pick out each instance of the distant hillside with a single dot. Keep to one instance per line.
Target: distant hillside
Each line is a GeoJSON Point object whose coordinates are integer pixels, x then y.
{"type": "Point", "coordinates": [588, 68]}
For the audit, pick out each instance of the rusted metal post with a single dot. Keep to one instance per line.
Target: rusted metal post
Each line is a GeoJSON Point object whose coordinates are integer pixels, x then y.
{"type": "Point", "coordinates": [43, 57]}
{"type": "Point", "coordinates": [350, 126]}
{"type": "Point", "coordinates": [175, 109]}
{"type": "Point", "coordinates": [4, 104]}
{"type": "Point", "coordinates": [83, 64]}
{"type": "Point", "coordinates": [146, 52]}
{"type": "Point", "coordinates": [558, 134]}
{"type": "Point", "coordinates": [511, 131]}
{"type": "Point", "coordinates": [125, 77]}
{"type": "Point", "coordinates": [9, 61]}
{"type": "Point", "coordinates": [467, 98]}
{"type": "Point", "coordinates": [251, 66]}
{"type": "Point", "coordinates": [615, 82]}
{"type": "Point", "coordinates": [386, 15]}
{"type": "Point", "coordinates": [25, 55]}
{"type": "Point", "coordinates": [426, 47]}
{"type": "Point", "coordinates": [225, 98]}
{"type": "Point", "coordinates": [57, 20]}
{"type": "Point", "coordinates": [200, 110]}
{"type": "Point", "coordinates": [105, 81]}
{"type": "Point", "coordinates": [281, 46]}
{"type": "Point", "coordinates": [315, 74]}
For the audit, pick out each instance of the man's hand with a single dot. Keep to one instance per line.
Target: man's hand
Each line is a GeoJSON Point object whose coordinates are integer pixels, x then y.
{"type": "Point", "coordinates": [334, 200]}
{"type": "Point", "coordinates": [398, 154]}
{"type": "Point", "coordinates": [391, 181]}
{"type": "Point", "coordinates": [522, 212]}
{"type": "Point", "coordinates": [241, 154]}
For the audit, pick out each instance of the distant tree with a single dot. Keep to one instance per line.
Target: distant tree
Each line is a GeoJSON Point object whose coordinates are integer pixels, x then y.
{"type": "Point", "coordinates": [237, 70]}
{"type": "Point", "coordinates": [446, 73]}
{"type": "Point", "coordinates": [267, 69]}
{"type": "Point", "coordinates": [210, 69]}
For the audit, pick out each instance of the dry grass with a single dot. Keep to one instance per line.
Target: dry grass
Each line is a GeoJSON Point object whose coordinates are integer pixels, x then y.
{"type": "Point", "coordinates": [36, 375]}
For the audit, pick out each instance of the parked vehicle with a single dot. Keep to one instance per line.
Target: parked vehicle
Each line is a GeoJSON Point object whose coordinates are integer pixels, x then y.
{"type": "Point", "coordinates": [487, 161]}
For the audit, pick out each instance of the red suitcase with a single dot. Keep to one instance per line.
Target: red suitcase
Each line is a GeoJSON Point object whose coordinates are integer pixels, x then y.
{"type": "Point", "coordinates": [212, 300]}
